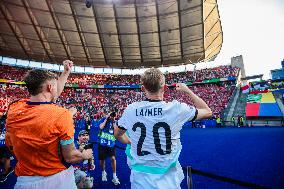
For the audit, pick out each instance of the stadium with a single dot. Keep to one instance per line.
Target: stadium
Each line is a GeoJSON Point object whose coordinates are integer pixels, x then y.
{"type": "Point", "coordinates": [112, 43]}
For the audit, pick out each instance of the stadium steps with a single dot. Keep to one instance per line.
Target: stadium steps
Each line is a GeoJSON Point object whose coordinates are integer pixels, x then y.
{"type": "Point", "coordinates": [237, 108]}
{"type": "Point", "coordinates": [240, 108]}
{"type": "Point", "coordinates": [227, 112]}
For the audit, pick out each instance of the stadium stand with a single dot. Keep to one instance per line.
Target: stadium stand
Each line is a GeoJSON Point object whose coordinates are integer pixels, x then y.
{"type": "Point", "coordinates": [90, 102]}
{"type": "Point", "coordinates": [209, 171]}
{"type": "Point", "coordinates": [17, 74]}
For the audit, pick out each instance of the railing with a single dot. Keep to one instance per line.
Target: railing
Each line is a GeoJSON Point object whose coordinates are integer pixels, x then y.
{"type": "Point", "coordinates": [189, 180]}
{"type": "Point", "coordinates": [267, 123]}
{"type": "Point", "coordinates": [189, 171]}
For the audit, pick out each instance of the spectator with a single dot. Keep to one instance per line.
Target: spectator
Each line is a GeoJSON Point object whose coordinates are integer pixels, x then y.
{"type": "Point", "coordinates": [233, 121]}
{"type": "Point", "coordinates": [106, 146]}
{"type": "Point", "coordinates": [43, 128]}
{"type": "Point", "coordinates": [82, 170]}
{"type": "Point", "coordinates": [241, 121]}
{"type": "Point", "coordinates": [218, 120]}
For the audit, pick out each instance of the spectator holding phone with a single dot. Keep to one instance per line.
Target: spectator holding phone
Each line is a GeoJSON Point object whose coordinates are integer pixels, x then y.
{"type": "Point", "coordinates": [82, 169]}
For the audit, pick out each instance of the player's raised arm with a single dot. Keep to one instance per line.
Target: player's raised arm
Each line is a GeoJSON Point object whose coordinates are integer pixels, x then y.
{"type": "Point", "coordinates": [203, 110]}
{"type": "Point", "coordinates": [68, 64]}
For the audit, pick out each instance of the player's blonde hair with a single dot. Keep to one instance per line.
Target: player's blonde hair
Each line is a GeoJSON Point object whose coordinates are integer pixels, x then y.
{"type": "Point", "coordinates": [153, 80]}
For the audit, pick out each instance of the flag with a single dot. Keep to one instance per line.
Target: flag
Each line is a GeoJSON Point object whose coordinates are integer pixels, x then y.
{"type": "Point", "coordinates": [254, 98]}
{"type": "Point", "coordinates": [257, 86]}
{"type": "Point", "coordinates": [245, 89]}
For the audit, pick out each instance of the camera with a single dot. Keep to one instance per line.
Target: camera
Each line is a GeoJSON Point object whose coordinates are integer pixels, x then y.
{"type": "Point", "coordinates": [89, 3]}
{"type": "Point", "coordinates": [112, 114]}
{"type": "Point", "coordinates": [88, 146]}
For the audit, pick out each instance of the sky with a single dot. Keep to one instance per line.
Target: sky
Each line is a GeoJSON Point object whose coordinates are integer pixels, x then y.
{"type": "Point", "coordinates": [254, 29]}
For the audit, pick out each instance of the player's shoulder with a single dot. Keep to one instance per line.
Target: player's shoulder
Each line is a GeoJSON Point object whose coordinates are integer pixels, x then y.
{"type": "Point", "coordinates": [178, 105]}
{"type": "Point", "coordinates": [174, 103]}
{"type": "Point", "coordinates": [58, 108]}
{"type": "Point", "coordinates": [134, 105]}
{"type": "Point", "coordinates": [16, 103]}
{"type": "Point", "coordinates": [54, 109]}
{"type": "Point", "coordinates": [131, 107]}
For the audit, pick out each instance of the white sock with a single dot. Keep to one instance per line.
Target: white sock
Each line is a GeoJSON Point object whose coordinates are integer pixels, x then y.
{"type": "Point", "coordinates": [114, 175]}
{"type": "Point", "coordinates": [104, 172]}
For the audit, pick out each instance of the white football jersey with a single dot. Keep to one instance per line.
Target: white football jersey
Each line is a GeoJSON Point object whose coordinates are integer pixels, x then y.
{"type": "Point", "coordinates": [154, 130]}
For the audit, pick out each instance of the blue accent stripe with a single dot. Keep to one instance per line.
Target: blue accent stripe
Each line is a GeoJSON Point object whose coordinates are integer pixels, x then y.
{"type": "Point", "coordinates": [152, 170]}
{"type": "Point", "coordinates": [67, 142]}
{"type": "Point", "coordinates": [147, 169]}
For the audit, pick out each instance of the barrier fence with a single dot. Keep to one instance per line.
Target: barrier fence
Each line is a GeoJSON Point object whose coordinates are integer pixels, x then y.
{"type": "Point", "coordinates": [189, 171]}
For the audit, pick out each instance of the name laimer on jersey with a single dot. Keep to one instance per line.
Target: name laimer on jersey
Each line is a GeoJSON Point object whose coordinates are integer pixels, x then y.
{"type": "Point", "coordinates": [149, 112]}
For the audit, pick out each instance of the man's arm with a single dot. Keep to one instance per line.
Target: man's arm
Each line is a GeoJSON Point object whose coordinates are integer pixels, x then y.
{"type": "Point", "coordinates": [66, 136]}
{"type": "Point", "coordinates": [203, 110]}
{"type": "Point", "coordinates": [64, 76]}
{"type": "Point", "coordinates": [72, 155]}
{"type": "Point", "coordinates": [103, 124]}
{"type": "Point", "coordinates": [120, 135]}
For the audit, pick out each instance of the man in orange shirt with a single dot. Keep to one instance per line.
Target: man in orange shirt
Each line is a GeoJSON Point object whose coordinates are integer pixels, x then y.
{"type": "Point", "coordinates": [41, 134]}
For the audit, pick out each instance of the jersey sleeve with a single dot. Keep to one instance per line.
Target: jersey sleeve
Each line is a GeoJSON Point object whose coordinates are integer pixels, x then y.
{"type": "Point", "coordinates": [187, 113]}
{"type": "Point", "coordinates": [66, 128]}
{"type": "Point", "coordinates": [122, 123]}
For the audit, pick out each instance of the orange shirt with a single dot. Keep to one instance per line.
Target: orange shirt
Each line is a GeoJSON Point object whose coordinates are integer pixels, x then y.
{"type": "Point", "coordinates": [35, 132]}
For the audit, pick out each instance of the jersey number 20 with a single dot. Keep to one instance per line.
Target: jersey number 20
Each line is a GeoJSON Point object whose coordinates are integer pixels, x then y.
{"type": "Point", "coordinates": [156, 137]}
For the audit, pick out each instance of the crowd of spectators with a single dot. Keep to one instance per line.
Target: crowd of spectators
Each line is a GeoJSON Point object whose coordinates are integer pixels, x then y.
{"type": "Point", "coordinates": [216, 96]}
{"type": "Point", "coordinates": [13, 73]}
{"type": "Point", "coordinates": [91, 103]}
{"type": "Point", "coordinates": [10, 93]}
{"type": "Point", "coordinates": [103, 79]}
{"type": "Point", "coordinates": [200, 75]}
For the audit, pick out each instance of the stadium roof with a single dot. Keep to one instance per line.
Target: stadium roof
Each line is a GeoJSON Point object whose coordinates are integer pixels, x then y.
{"type": "Point", "coordinates": [112, 33]}
{"type": "Point", "coordinates": [253, 77]}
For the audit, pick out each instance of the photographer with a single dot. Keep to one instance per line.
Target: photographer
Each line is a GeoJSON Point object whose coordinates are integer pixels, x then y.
{"type": "Point", "coordinates": [82, 170]}
{"type": "Point", "coordinates": [107, 146]}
